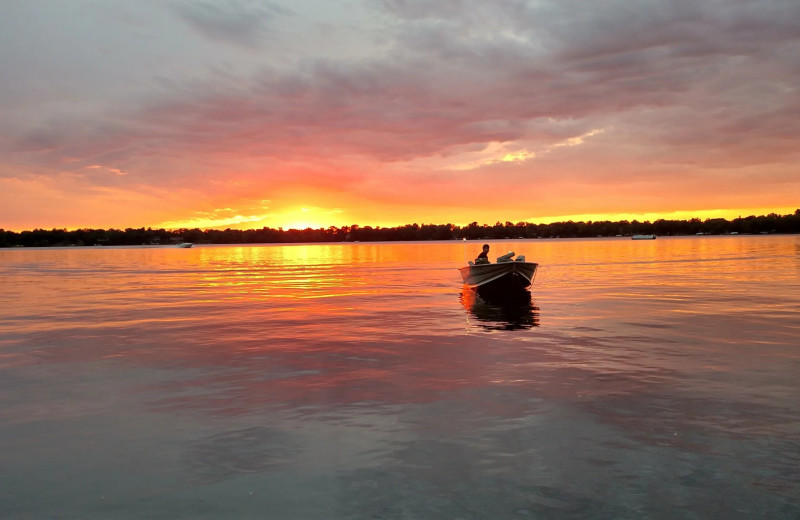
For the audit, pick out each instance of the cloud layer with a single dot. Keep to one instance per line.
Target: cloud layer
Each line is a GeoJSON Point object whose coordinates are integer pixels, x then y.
{"type": "Point", "coordinates": [395, 111]}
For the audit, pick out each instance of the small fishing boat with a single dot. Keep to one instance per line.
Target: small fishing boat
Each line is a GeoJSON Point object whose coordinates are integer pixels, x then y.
{"type": "Point", "coordinates": [506, 274]}
{"type": "Point", "coordinates": [185, 245]}
{"type": "Point", "coordinates": [643, 237]}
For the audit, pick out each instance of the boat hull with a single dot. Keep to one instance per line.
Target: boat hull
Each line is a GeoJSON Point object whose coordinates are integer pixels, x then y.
{"type": "Point", "coordinates": [500, 276]}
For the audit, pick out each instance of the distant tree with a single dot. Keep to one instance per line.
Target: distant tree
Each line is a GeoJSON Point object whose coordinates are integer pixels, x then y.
{"type": "Point", "coordinates": [771, 223]}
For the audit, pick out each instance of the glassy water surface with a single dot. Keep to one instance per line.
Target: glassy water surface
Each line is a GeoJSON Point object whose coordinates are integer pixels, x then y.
{"type": "Point", "coordinates": [653, 379]}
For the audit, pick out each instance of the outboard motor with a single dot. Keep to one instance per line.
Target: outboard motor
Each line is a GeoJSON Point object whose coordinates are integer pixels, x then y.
{"type": "Point", "coordinates": [506, 257]}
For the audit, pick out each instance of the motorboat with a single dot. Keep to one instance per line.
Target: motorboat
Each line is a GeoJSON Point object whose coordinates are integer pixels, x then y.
{"type": "Point", "coordinates": [643, 237]}
{"type": "Point", "coordinates": [507, 274]}
{"type": "Point", "coordinates": [185, 245]}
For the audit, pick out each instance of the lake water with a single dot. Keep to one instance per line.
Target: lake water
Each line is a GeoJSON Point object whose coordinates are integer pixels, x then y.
{"type": "Point", "coordinates": [641, 379]}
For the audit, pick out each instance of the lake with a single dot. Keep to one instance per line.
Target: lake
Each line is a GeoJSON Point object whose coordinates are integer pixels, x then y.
{"type": "Point", "coordinates": [639, 379]}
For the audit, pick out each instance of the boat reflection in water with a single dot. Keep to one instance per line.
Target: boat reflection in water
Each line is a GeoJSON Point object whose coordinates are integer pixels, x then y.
{"type": "Point", "coordinates": [512, 310]}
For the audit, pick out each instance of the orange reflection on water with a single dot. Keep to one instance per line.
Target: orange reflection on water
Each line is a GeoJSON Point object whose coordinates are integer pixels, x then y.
{"type": "Point", "coordinates": [304, 325]}
{"type": "Point", "coordinates": [49, 289]}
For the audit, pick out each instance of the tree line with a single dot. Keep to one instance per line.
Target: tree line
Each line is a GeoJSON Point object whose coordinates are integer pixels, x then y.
{"type": "Point", "coordinates": [771, 223]}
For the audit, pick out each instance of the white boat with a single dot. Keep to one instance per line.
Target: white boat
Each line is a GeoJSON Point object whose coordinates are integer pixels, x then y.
{"type": "Point", "coordinates": [185, 245]}
{"type": "Point", "coordinates": [643, 237]}
{"type": "Point", "coordinates": [506, 274]}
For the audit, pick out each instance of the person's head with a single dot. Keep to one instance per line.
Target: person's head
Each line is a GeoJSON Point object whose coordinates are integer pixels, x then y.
{"type": "Point", "coordinates": [486, 247]}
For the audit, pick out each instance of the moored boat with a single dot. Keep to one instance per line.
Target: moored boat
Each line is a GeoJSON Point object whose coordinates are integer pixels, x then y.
{"type": "Point", "coordinates": [185, 245]}
{"type": "Point", "coordinates": [506, 274]}
{"type": "Point", "coordinates": [643, 237]}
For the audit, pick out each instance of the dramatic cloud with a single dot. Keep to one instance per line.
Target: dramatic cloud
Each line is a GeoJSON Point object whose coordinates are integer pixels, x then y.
{"type": "Point", "coordinates": [396, 111]}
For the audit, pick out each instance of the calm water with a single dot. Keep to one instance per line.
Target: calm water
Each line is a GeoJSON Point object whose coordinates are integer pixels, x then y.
{"type": "Point", "coordinates": [654, 379]}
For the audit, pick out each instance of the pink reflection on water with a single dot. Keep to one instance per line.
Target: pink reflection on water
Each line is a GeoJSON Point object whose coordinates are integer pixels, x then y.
{"type": "Point", "coordinates": [365, 321]}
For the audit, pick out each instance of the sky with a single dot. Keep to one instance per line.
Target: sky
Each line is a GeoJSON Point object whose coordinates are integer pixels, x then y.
{"type": "Point", "coordinates": [317, 113]}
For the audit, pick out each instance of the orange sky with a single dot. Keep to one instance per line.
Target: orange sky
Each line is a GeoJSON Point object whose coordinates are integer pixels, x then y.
{"type": "Point", "coordinates": [383, 114]}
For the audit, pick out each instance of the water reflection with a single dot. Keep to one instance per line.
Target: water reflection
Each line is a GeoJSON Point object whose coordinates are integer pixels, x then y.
{"type": "Point", "coordinates": [232, 380]}
{"type": "Point", "coordinates": [249, 450]}
{"type": "Point", "coordinates": [501, 311]}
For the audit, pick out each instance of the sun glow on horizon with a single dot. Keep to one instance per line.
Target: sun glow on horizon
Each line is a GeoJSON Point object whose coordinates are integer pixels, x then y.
{"type": "Point", "coordinates": [210, 222]}
{"type": "Point", "coordinates": [299, 218]}
{"type": "Point", "coordinates": [313, 218]}
{"type": "Point", "coordinates": [728, 214]}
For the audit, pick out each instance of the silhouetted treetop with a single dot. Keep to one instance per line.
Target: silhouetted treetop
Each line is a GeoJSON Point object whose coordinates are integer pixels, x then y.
{"type": "Point", "coordinates": [763, 224]}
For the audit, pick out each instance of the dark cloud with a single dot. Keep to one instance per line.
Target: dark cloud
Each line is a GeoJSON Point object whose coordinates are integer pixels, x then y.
{"type": "Point", "coordinates": [239, 22]}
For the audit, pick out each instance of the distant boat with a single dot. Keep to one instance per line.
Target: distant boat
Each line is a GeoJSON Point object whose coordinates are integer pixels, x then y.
{"type": "Point", "coordinates": [643, 237]}
{"type": "Point", "coordinates": [506, 274]}
{"type": "Point", "coordinates": [185, 245]}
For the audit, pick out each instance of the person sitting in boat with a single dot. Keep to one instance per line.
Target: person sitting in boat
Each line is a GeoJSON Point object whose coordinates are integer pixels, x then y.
{"type": "Point", "coordinates": [483, 257]}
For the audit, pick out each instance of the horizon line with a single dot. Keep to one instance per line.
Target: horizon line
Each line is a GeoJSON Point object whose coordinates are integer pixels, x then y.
{"type": "Point", "coordinates": [580, 218]}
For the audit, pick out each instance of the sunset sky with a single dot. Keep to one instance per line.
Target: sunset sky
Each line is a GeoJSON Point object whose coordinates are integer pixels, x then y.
{"type": "Point", "coordinates": [252, 113]}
